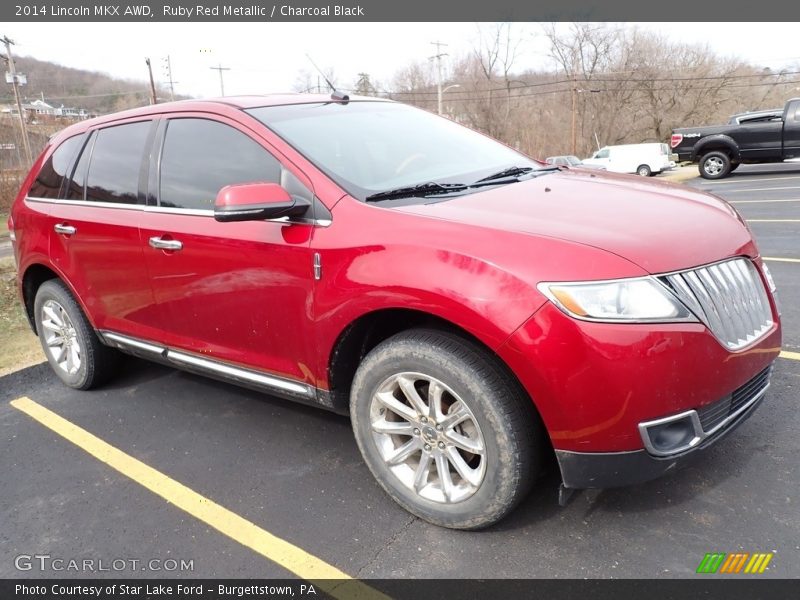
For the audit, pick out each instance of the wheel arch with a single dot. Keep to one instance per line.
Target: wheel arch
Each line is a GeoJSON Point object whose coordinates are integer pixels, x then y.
{"type": "Point", "coordinates": [368, 330]}
{"type": "Point", "coordinates": [720, 143]}
{"type": "Point", "coordinates": [33, 276]}
{"type": "Point", "coordinates": [32, 279]}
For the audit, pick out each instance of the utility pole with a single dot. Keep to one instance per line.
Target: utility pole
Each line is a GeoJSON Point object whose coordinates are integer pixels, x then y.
{"type": "Point", "coordinates": [15, 83]}
{"type": "Point", "coordinates": [168, 69]}
{"type": "Point", "coordinates": [438, 58]}
{"type": "Point", "coordinates": [153, 99]}
{"type": "Point", "coordinates": [220, 69]}
{"type": "Point", "coordinates": [574, 112]}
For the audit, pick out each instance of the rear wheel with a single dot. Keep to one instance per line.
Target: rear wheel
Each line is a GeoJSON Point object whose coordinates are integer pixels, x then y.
{"type": "Point", "coordinates": [715, 165]}
{"type": "Point", "coordinates": [643, 170]}
{"type": "Point", "coordinates": [70, 344]}
{"type": "Point", "coordinates": [443, 430]}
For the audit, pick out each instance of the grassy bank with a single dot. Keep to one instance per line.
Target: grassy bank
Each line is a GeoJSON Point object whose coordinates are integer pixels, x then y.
{"type": "Point", "coordinates": [18, 346]}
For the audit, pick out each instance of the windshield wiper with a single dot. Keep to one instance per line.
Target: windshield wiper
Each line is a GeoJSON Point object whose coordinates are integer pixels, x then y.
{"type": "Point", "coordinates": [509, 172]}
{"type": "Point", "coordinates": [422, 190]}
{"type": "Point", "coordinates": [515, 171]}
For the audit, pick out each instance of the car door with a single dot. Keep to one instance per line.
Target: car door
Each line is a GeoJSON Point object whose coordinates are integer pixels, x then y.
{"type": "Point", "coordinates": [94, 229]}
{"type": "Point", "coordinates": [233, 292]}
{"type": "Point", "coordinates": [759, 139]}
{"type": "Point", "coordinates": [791, 131]}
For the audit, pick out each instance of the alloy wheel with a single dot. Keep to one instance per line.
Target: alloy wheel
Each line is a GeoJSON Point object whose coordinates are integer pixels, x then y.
{"type": "Point", "coordinates": [428, 437]}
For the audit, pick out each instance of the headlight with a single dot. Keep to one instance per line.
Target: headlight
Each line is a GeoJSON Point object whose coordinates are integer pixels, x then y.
{"type": "Point", "coordinates": [622, 300]}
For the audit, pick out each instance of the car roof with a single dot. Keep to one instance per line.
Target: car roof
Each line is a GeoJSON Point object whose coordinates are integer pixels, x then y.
{"type": "Point", "coordinates": [209, 105]}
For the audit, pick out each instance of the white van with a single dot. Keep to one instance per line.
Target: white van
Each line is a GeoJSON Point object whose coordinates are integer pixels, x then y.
{"type": "Point", "coordinates": [642, 159]}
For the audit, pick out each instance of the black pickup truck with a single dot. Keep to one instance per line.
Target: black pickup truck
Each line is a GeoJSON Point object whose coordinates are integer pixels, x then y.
{"type": "Point", "coordinates": [720, 149]}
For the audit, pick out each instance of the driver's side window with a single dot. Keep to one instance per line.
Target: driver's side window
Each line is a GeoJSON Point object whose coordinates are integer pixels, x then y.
{"type": "Point", "coordinates": [201, 156]}
{"type": "Point", "coordinates": [602, 153]}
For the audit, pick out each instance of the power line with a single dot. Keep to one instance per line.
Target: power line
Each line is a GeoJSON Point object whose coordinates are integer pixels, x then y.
{"type": "Point", "coordinates": [479, 94]}
{"type": "Point", "coordinates": [612, 80]}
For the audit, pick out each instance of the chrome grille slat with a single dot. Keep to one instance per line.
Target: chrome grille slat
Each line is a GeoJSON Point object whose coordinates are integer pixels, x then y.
{"type": "Point", "coordinates": [728, 297]}
{"type": "Point", "coordinates": [741, 286]}
{"type": "Point", "coordinates": [742, 314]}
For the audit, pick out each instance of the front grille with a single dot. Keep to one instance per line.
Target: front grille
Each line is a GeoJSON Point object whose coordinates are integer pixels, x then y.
{"type": "Point", "coordinates": [728, 297]}
{"type": "Point", "coordinates": [713, 414]}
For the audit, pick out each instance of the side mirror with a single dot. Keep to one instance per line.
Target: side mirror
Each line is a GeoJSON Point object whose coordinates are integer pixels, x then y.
{"type": "Point", "coordinates": [257, 202]}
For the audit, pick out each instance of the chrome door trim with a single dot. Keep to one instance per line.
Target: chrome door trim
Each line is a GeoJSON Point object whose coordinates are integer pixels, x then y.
{"type": "Point", "coordinates": [264, 381]}
{"type": "Point", "coordinates": [193, 212]}
{"type": "Point", "coordinates": [124, 340]}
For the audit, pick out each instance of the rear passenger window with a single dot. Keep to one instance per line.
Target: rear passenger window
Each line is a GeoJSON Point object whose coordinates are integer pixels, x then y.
{"type": "Point", "coordinates": [200, 157]}
{"type": "Point", "coordinates": [48, 182]}
{"type": "Point", "coordinates": [116, 162]}
{"type": "Point", "coordinates": [77, 183]}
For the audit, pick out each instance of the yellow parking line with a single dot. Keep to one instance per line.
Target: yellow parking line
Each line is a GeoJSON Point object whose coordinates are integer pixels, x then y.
{"type": "Point", "coordinates": [285, 554]}
{"type": "Point", "coordinates": [777, 259]}
{"type": "Point", "coordinates": [790, 355]}
{"type": "Point", "coordinates": [767, 189]}
{"type": "Point", "coordinates": [742, 180]}
{"type": "Point", "coordinates": [763, 201]}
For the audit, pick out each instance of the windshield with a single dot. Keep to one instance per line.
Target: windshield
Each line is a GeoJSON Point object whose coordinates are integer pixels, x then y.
{"type": "Point", "coordinates": [373, 147]}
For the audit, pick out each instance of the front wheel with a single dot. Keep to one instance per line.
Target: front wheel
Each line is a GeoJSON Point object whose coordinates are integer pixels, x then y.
{"type": "Point", "coordinates": [644, 171]}
{"type": "Point", "coordinates": [443, 430]}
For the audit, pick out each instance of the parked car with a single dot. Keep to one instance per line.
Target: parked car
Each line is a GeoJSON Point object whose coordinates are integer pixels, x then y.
{"type": "Point", "coordinates": [564, 161]}
{"type": "Point", "coordinates": [643, 159]}
{"type": "Point", "coordinates": [720, 149]}
{"type": "Point", "coordinates": [570, 161]}
{"type": "Point", "coordinates": [472, 311]}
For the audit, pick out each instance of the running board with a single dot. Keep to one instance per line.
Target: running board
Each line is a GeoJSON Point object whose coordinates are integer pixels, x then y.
{"type": "Point", "coordinates": [294, 390]}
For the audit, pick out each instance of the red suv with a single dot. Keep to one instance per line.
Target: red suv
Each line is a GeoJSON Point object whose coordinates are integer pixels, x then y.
{"type": "Point", "coordinates": [469, 308]}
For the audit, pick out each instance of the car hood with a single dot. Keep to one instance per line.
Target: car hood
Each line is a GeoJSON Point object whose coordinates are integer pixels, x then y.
{"type": "Point", "coordinates": [659, 226]}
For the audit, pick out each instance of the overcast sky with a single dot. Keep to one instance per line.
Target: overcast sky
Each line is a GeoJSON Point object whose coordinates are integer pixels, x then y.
{"type": "Point", "coordinates": [266, 57]}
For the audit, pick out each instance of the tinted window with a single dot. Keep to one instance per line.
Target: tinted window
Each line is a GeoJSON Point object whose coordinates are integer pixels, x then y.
{"type": "Point", "coordinates": [48, 182]}
{"type": "Point", "coordinates": [116, 162]}
{"type": "Point", "coordinates": [77, 183]}
{"type": "Point", "coordinates": [200, 157]}
{"type": "Point", "coordinates": [603, 153]}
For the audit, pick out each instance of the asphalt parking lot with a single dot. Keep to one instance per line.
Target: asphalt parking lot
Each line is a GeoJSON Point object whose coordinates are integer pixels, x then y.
{"type": "Point", "coordinates": [295, 473]}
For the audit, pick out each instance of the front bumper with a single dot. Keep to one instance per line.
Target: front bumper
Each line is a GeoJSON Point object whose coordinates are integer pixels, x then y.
{"type": "Point", "coordinates": [581, 470]}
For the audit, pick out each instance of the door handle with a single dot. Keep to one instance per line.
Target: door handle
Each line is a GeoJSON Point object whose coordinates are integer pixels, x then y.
{"type": "Point", "coordinates": [65, 229]}
{"type": "Point", "coordinates": [158, 243]}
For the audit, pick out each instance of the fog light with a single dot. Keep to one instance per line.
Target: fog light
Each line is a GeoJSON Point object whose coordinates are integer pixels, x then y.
{"type": "Point", "coordinates": [671, 435]}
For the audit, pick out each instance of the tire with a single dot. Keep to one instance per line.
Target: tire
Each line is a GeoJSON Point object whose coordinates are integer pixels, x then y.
{"type": "Point", "coordinates": [486, 425]}
{"type": "Point", "coordinates": [643, 171]}
{"type": "Point", "coordinates": [715, 165]}
{"type": "Point", "coordinates": [82, 361]}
